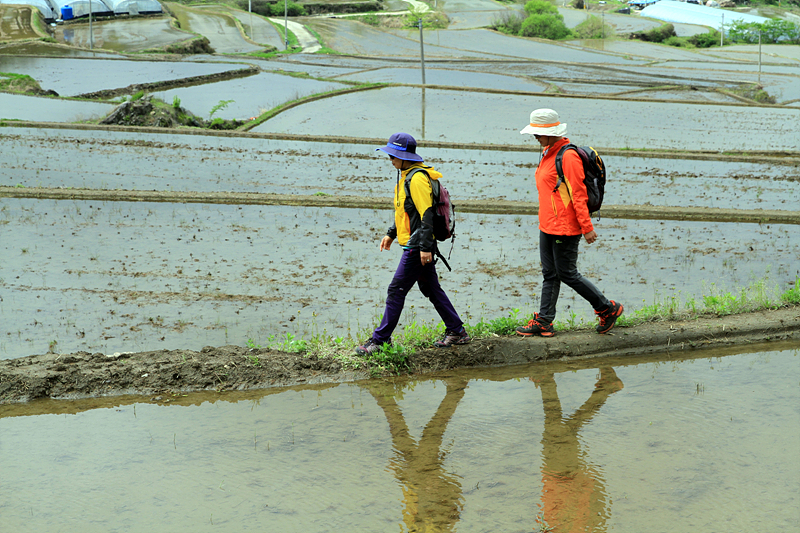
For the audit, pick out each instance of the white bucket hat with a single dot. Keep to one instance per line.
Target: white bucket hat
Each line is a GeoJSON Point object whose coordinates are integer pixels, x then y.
{"type": "Point", "coordinates": [545, 122]}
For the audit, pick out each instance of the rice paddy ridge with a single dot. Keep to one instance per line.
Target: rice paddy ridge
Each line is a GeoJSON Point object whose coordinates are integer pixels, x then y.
{"type": "Point", "coordinates": [774, 157]}
{"type": "Point", "coordinates": [494, 206]}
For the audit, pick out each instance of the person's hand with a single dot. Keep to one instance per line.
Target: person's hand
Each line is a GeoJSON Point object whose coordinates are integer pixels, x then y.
{"type": "Point", "coordinates": [386, 243]}
{"type": "Point", "coordinates": [590, 237]}
{"type": "Point", "coordinates": [425, 257]}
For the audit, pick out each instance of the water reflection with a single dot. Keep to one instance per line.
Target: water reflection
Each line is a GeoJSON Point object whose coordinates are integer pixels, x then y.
{"type": "Point", "coordinates": [574, 496]}
{"type": "Point", "coordinates": [432, 497]}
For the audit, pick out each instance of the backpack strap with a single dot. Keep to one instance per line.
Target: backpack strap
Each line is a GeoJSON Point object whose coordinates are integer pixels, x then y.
{"type": "Point", "coordinates": [435, 191]}
{"type": "Point", "coordinates": [434, 184]}
{"type": "Point", "coordinates": [560, 169]}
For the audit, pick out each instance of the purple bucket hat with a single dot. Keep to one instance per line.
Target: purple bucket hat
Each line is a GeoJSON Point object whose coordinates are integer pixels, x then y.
{"type": "Point", "coordinates": [402, 146]}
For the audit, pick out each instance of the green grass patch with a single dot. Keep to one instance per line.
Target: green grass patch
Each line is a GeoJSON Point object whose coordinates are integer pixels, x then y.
{"type": "Point", "coordinates": [415, 335]}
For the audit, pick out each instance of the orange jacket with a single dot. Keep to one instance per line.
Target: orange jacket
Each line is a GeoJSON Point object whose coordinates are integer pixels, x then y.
{"type": "Point", "coordinates": [562, 212]}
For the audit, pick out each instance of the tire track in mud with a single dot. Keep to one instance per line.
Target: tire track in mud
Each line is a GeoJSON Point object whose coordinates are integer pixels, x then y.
{"type": "Point", "coordinates": [499, 207]}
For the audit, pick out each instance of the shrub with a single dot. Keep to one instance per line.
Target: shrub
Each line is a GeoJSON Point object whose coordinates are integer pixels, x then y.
{"type": "Point", "coordinates": [705, 40]}
{"type": "Point", "coordinates": [678, 42]}
{"type": "Point", "coordinates": [545, 27]}
{"type": "Point", "coordinates": [541, 7]}
{"type": "Point", "coordinates": [657, 35]}
{"type": "Point", "coordinates": [592, 28]}
{"type": "Point", "coordinates": [578, 4]}
{"type": "Point", "coordinates": [509, 23]}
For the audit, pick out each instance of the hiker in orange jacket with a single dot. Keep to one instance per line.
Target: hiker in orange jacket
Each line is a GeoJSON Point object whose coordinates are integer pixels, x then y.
{"type": "Point", "coordinates": [563, 218]}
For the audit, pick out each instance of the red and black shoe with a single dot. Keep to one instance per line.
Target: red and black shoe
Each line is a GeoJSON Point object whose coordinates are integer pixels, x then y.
{"type": "Point", "coordinates": [537, 326]}
{"type": "Point", "coordinates": [608, 317]}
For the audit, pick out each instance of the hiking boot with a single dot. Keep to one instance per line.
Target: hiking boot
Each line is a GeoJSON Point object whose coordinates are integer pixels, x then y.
{"type": "Point", "coordinates": [369, 347]}
{"type": "Point", "coordinates": [537, 326]}
{"type": "Point", "coordinates": [608, 317]}
{"type": "Point", "coordinates": [451, 339]}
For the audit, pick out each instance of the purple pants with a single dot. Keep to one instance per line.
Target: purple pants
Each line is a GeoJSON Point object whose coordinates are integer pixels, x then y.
{"type": "Point", "coordinates": [411, 271]}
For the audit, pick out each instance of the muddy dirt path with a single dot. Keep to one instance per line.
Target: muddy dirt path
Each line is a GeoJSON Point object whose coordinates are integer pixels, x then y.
{"type": "Point", "coordinates": [162, 372]}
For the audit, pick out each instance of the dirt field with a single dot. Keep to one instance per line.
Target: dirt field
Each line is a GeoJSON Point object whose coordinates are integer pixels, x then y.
{"type": "Point", "coordinates": [161, 373]}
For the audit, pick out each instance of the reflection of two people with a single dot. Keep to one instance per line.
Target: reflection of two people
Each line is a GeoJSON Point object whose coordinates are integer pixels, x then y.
{"type": "Point", "coordinates": [431, 495]}
{"type": "Point", "coordinates": [573, 493]}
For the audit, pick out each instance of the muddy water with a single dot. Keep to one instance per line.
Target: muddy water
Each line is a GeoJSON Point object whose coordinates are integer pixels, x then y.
{"type": "Point", "coordinates": [131, 35]}
{"type": "Point", "coordinates": [120, 276]}
{"type": "Point", "coordinates": [655, 444]}
{"type": "Point", "coordinates": [498, 118]}
{"type": "Point", "coordinates": [38, 48]}
{"type": "Point", "coordinates": [220, 29]}
{"type": "Point", "coordinates": [15, 23]}
{"type": "Point", "coordinates": [58, 74]}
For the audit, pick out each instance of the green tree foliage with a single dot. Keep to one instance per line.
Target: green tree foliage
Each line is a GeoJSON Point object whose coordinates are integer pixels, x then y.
{"type": "Point", "coordinates": [273, 9]}
{"type": "Point", "coordinates": [657, 35]}
{"type": "Point", "coordinates": [772, 31]}
{"type": "Point", "coordinates": [705, 40]}
{"type": "Point", "coordinates": [592, 28]}
{"type": "Point", "coordinates": [547, 26]}
{"type": "Point", "coordinates": [541, 7]}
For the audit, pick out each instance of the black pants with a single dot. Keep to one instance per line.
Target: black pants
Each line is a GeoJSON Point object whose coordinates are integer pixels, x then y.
{"type": "Point", "coordinates": [559, 255]}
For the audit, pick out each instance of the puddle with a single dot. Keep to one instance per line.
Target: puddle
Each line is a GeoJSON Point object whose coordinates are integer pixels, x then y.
{"type": "Point", "coordinates": [58, 74]}
{"type": "Point", "coordinates": [128, 35]}
{"type": "Point", "coordinates": [119, 276]}
{"type": "Point", "coordinates": [623, 445]}
{"type": "Point", "coordinates": [251, 96]}
{"type": "Point", "coordinates": [20, 107]}
{"type": "Point", "coordinates": [497, 118]}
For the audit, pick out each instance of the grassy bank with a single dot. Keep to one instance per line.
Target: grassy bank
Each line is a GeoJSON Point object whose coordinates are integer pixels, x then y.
{"type": "Point", "coordinates": [758, 295]}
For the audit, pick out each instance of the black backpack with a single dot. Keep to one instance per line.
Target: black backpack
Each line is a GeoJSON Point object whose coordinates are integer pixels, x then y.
{"type": "Point", "coordinates": [594, 172]}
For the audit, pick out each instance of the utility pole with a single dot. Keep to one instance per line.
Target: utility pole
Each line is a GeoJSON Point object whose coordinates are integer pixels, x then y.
{"type": "Point", "coordinates": [285, 23]}
{"type": "Point", "coordinates": [722, 31]}
{"type": "Point", "coordinates": [603, 23]}
{"type": "Point", "coordinates": [91, 33]}
{"type": "Point", "coordinates": [759, 57]}
{"type": "Point", "coordinates": [250, 10]}
{"type": "Point", "coordinates": [421, 51]}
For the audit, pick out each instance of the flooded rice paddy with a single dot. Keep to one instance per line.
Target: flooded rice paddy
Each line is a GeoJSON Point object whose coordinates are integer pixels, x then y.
{"type": "Point", "coordinates": [247, 97]}
{"type": "Point", "coordinates": [100, 74]}
{"type": "Point", "coordinates": [626, 445]}
{"type": "Point", "coordinates": [40, 108]}
{"type": "Point", "coordinates": [164, 162]}
{"type": "Point", "coordinates": [132, 35]}
{"type": "Point", "coordinates": [121, 276]}
{"type": "Point", "coordinates": [498, 118]}
{"type": "Point", "coordinates": [16, 24]}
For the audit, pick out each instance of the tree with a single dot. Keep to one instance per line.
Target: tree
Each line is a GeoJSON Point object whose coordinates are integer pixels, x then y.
{"type": "Point", "coordinates": [545, 27]}
{"type": "Point", "coordinates": [541, 7]}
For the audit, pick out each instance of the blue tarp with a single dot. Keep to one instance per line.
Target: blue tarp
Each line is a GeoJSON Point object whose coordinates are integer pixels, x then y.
{"type": "Point", "coordinates": [684, 13]}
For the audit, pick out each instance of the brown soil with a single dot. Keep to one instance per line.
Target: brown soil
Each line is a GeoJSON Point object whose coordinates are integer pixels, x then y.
{"type": "Point", "coordinates": [82, 374]}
